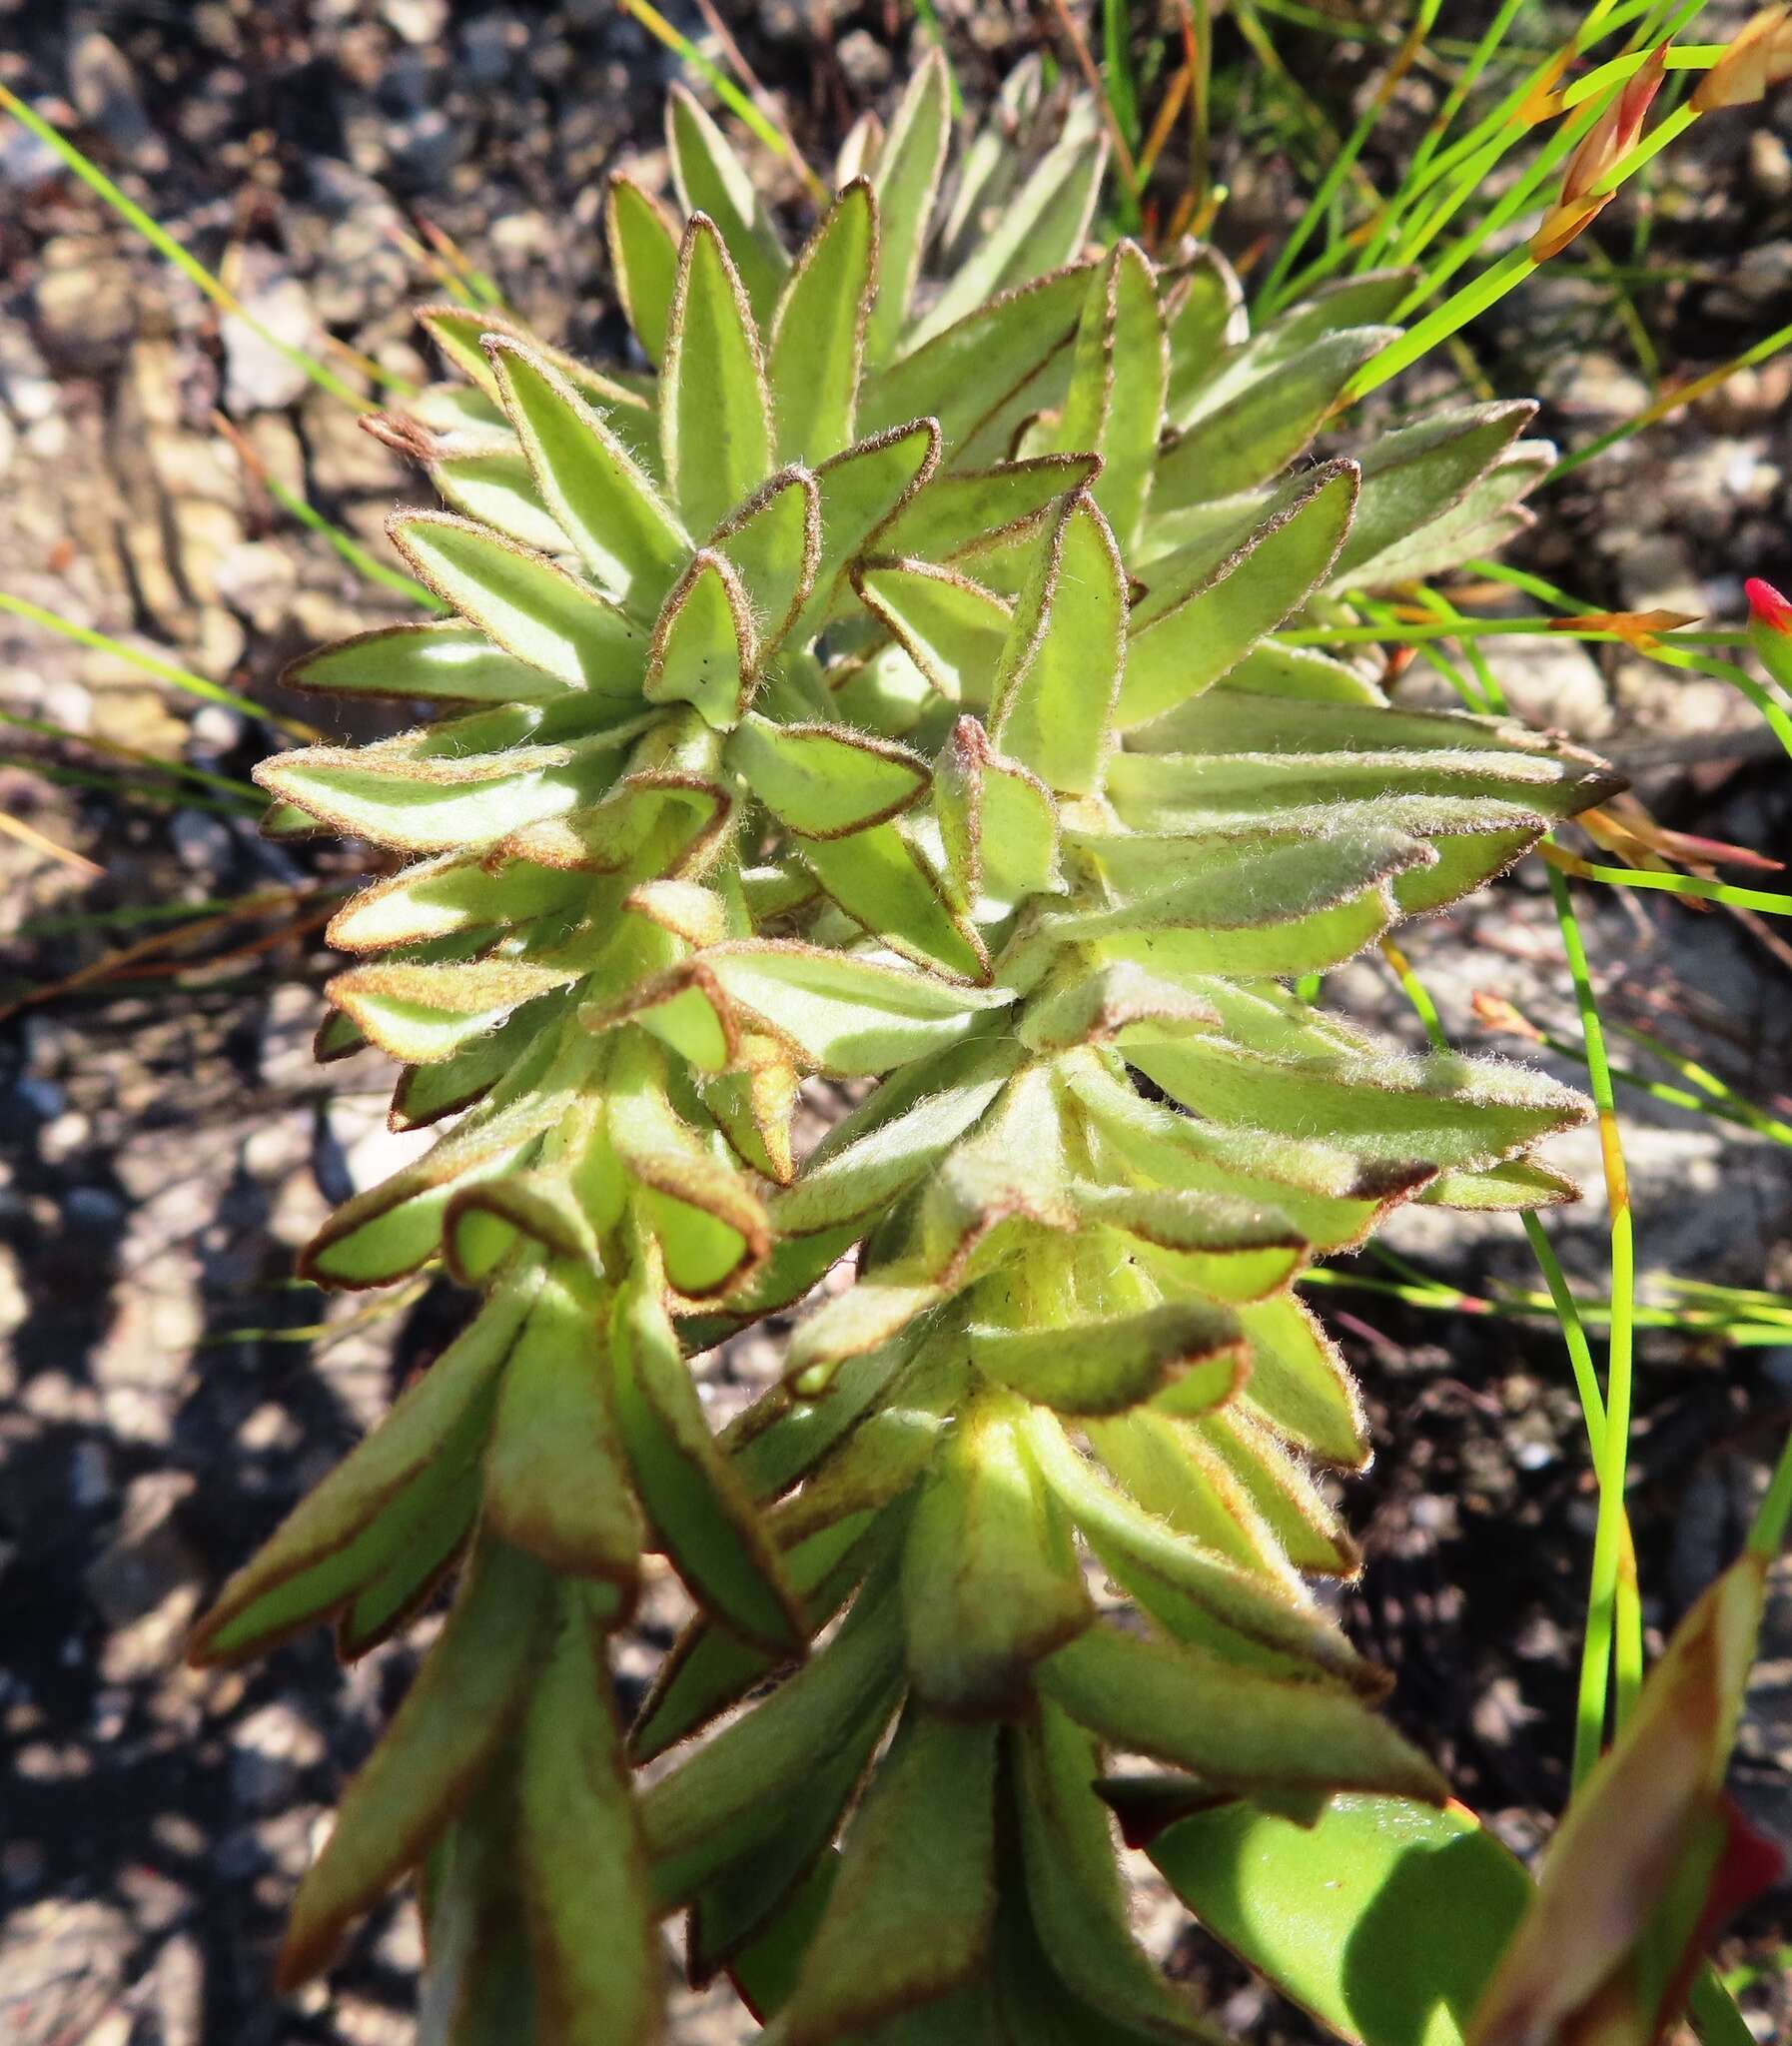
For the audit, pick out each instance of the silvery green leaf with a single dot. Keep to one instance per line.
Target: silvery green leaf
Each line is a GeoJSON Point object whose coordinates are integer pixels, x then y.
{"type": "Point", "coordinates": [644, 252]}
{"type": "Point", "coordinates": [602, 500]}
{"type": "Point", "coordinates": [440, 805]}
{"type": "Point", "coordinates": [1189, 1348]}
{"type": "Point", "coordinates": [445, 897]}
{"type": "Point", "coordinates": [715, 429]}
{"type": "Point", "coordinates": [1369, 300]}
{"type": "Point", "coordinates": [422, 1014]}
{"type": "Point", "coordinates": [1196, 1595]}
{"type": "Point", "coordinates": [1280, 1485]}
{"type": "Point", "coordinates": [1386, 1107]}
{"type": "Point", "coordinates": [1486, 514]}
{"type": "Point", "coordinates": [843, 1014]}
{"type": "Point", "coordinates": [488, 1220]}
{"type": "Point", "coordinates": [1041, 227]}
{"type": "Point", "coordinates": [1520, 1184]}
{"type": "Point", "coordinates": [773, 543]}
{"type": "Point", "coordinates": [579, 1849]}
{"type": "Point", "coordinates": [709, 1668]}
{"type": "Point", "coordinates": [1322, 1188]}
{"type": "Point", "coordinates": [1282, 905]}
{"type": "Point", "coordinates": [466, 1698]}
{"type": "Point", "coordinates": [911, 1910]}
{"type": "Point", "coordinates": [462, 333]}
{"type": "Point", "coordinates": [701, 1514]}
{"type": "Point", "coordinates": [817, 338]}
{"type": "Point", "coordinates": [883, 880]}
{"type": "Point", "coordinates": [950, 626]}
{"type": "Point", "coordinates": [1275, 669]}
{"type": "Point", "coordinates": [494, 486]}
{"type": "Point", "coordinates": [710, 1225]}
{"type": "Point", "coordinates": [446, 663]}
{"type": "Point", "coordinates": [1075, 1895]}
{"type": "Point", "coordinates": [1173, 1473]}
{"type": "Point", "coordinates": [1415, 474]}
{"type": "Point", "coordinates": [1062, 664]}
{"type": "Point", "coordinates": [863, 491]}
{"type": "Point", "coordinates": [825, 781]}
{"type": "Point", "coordinates": [963, 375]}
{"type": "Point", "coordinates": [425, 1094]}
{"type": "Point", "coordinates": [351, 1526]}
{"type": "Point", "coordinates": [395, 1227]}
{"type": "Point", "coordinates": [556, 1479]}
{"type": "Point", "coordinates": [970, 511]}
{"type": "Point", "coordinates": [990, 1582]}
{"type": "Point", "coordinates": [1300, 1384]}
{"type": "Point", "coordinates": [998, 825]}
{"type": "Point", "coordinates": [712, 179]}
{"type": "Point", "coordinates": [990, 164]}
{"type": "Point", "coordinates": [705, 646]}
{"type": "Point", "coordinates": [733, 1790]}
{"type": "Point", "coordinates": [907, 179]}
{"type": "Point", "coordinates": [1190, 1241]}
{"type": "Point", "coordinates": [1206, 320]}
{"type": "Point", "coordinates": [1115, 403]}
{"type": "Point", "coordinates": [524, 603]}
{"type": "Point", "coordinates": [1250, 425]}
{"type": "Point", "coordinates": [857, 156]}
{"type": "Point", "coordinates": [1182, 637]}
{"type": "Point", "coordinates": [1236, 1728]}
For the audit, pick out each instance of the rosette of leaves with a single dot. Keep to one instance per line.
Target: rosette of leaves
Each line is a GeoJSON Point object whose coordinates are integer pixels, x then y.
{"type": "Point", "coordinates": [882, 688]}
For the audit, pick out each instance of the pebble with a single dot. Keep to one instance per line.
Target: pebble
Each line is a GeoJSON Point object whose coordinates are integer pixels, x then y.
{"type": "Point", "coordinates": [257, 577]}
{"type": "Point", "coordinates": [1553, 682]}
{"type": "Point", "coordinates": [864, 60]}
{"type": "Point", "coordinates": [1758, 279]}
{"type": "Point", "coordinates": [217, 729]}
{"type": "Point", "coordinates": [85, 303]}
{"type": "Point", "coordinates": [201, 843]}
{"type": "Point", "coordinates": [258, 375]}
{"type": "Point", "coordinates": [104, 89]}
{"type": "Point", "coordinates": [1769, 163]}
{"type": "Point", "coordinates": [426, 147]}
{"type": "Point", "coordinates": [148, 1561]}
{"type": "Point", "coordinates": [418, 22]}
{"type": "Point", "coordinates": [26, 161]}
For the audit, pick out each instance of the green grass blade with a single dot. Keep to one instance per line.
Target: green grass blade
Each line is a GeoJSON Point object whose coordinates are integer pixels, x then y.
{"type": "Point", "coordinates": [152, 665]}
{"type": "Point", "coordinates": [183, 260]}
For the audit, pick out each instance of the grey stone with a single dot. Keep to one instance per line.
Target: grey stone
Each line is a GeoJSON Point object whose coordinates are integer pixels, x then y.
{"type": "Point", "coordinates": [426, 147]}
{"type": "Point", "coordinates": [61, 1964]}
{"type": "Point", "coordinates": [1769, 163]}
{"type": "Point", "coordinates": [1552, 681]}
{"type": "Point", "coordinates": [85, 303]}
{"type": "Point", "coordinates": [147, 1558]}
{"type": "Point", "coordinates": [203, 844]}
{"type": "Point", "coordinates": [25, 160]}
{"type": "Point", "coordinates": [865, 60]}
{"type": "Point", "coordinates": [1655, 571]}
{"type": "Point", "coordinates": [104, 89]}
{"type": "Point", "coordinates": [418, 22]}
{"type": "Point", "coordinates": [258, 376]}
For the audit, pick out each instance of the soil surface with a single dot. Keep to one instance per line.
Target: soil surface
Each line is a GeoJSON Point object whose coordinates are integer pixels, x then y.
{"type": "Point", "coordinates": [166, 1139]}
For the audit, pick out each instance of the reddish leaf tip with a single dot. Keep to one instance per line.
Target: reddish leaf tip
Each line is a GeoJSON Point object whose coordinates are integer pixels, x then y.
{"type": "Point", "coordinates": [1767, 607]}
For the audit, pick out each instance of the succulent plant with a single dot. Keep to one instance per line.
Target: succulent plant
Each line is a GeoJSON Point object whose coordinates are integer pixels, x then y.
{"type": "Point", "coordinates": [884, 686]}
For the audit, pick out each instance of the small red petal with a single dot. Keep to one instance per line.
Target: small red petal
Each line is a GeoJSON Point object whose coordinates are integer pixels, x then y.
{"type": "Point", "coordinates": [1767, 607]}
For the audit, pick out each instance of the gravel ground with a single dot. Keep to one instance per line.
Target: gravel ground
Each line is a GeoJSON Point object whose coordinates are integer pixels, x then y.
{"type": "Point", "coordinates": [166, 1143]}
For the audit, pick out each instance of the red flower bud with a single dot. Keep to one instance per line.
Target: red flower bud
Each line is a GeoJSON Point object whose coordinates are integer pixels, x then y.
{"type": "Point", "coordinates": [1770, 630]}
{"type": "Point", "coordinates": [1766, 607]}
{"type": "Point", "coordinates": [1605, 144]}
